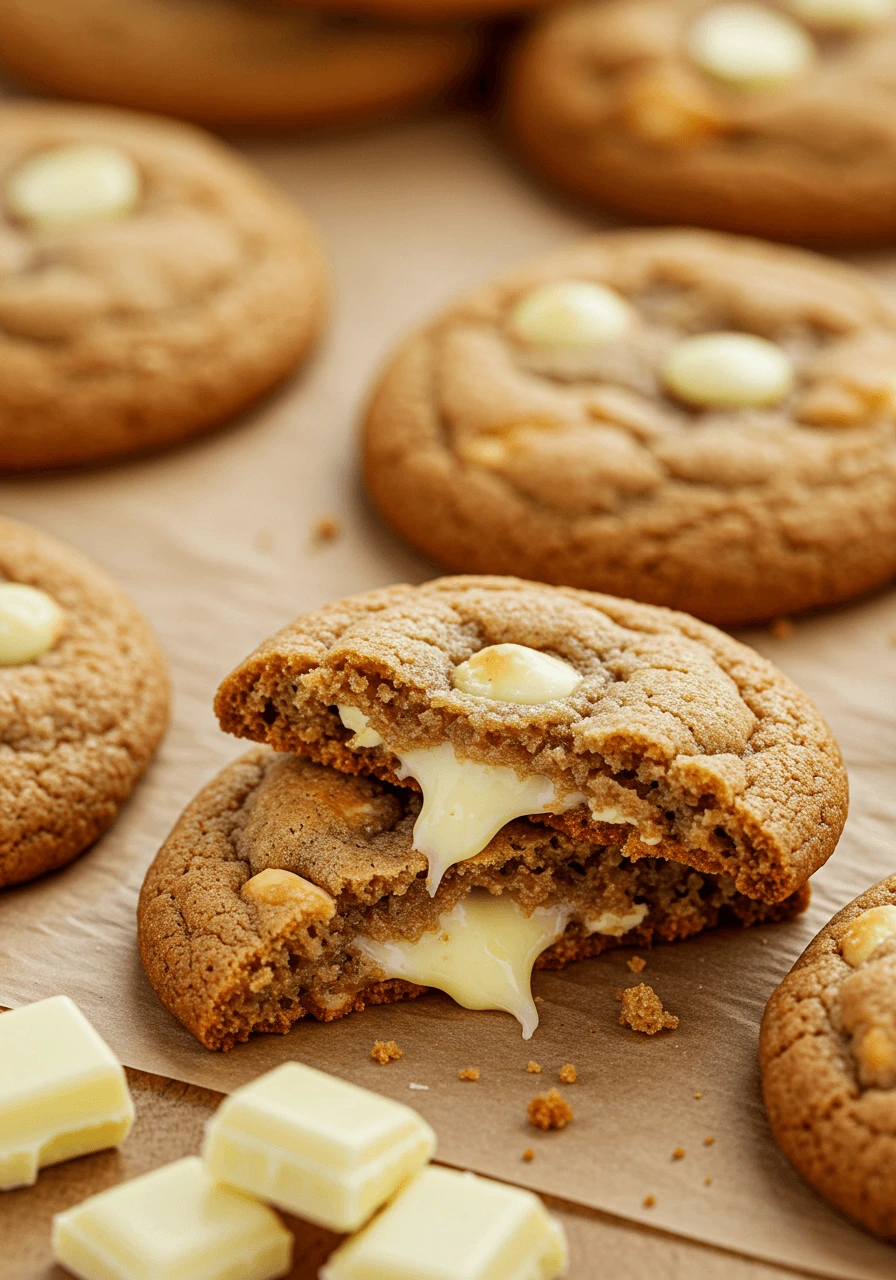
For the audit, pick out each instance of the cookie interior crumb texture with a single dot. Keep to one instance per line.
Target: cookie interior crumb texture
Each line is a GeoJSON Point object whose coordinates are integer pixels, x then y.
{"type": "Point", "coordinates": [576, 464]}
{"type": "Point", "coordinates": [549, 1111]}
{"type": "Point", "coordinates": [642, 1010]}
{"type": "Point", "coordinates": [827, 1053]}
{"type": "Point", "coordinates": [386, 1051]}
{"type": "Point", "coordinates": [79, 724]}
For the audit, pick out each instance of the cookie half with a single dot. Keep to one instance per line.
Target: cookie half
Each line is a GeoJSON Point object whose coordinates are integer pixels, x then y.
{"type": "Point", "coordinates": [696, 420]}
{"type": "Point", "coordinates": [83, 702]}
{"type": "Point", "coordinates": [613, 722]}
{"type": "Point", "coordinates": [289, 888]}
{"type": "Point", "coordinates": [232, 63]}
{"type": "Point", "coordinates": [828, 1057]}
{"type": "Point", "coordinates": [770, 119]}
{"type": "Point", "coordinates": [153, 285]}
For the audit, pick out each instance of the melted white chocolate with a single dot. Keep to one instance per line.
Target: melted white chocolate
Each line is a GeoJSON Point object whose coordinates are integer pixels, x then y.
{"type": "Point", "coordinates": [482, 954]}
{"type": "Point", "coordinates": [356, 720]}
{"type": "Point", "coordinates": [614, 925]}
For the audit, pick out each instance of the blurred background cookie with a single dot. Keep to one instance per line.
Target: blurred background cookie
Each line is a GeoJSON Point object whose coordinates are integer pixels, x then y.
{"type": "Point", "coordinates": [828, 1057]}
{"type": "Point", "coordinates": [228, 62]}
{"type": "Point", "coordinates": [152, 284]}
{"type": "Point", "coordinates": [776, 119]}
{"type": "Point", "coordinates": [683, 417]}
{"type": "Point", "coordinates": [427, 10]}
{"type": "Point", "coordinates": [83, 701]}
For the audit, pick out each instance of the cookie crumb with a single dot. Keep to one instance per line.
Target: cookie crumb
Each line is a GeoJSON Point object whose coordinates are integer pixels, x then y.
{"type": "Point", "coordinates": [385, 1051]}
{"type": "Point", "coordinates": [568, 1074]}
{"type": "Point", "coordinates": [593, 1030]}
{"type": "Point", "coordinates": [707, 1182]}
{"type": "Point", "coordinates": [534, 1068]}
{"type": "Point", "coordinates": [764, 941]}
{"type": "Point", "coordinates": [528, 1154]}
{"type": "Point", "coordinates": [649, 1202]}
{"type": "Point", "coordinates": [642, 1010]}
{"type": "Point", "coordinates": [468, 1073]}
{"type": "Point", "coordinates": [619, 993]}
{"type": "Point", "coordinates": [549, 1111]}
{"type": "Point", "coordinates": [698, 1096]}
{"type": "Point", "coordinates": [781, 628]}
{"type": "Point", "coordinates": [637, 964]}
{"type": "Point", "coordinates": [708, 1140]}
{"type": "Point", "coordinates": [326, 529]}
{"type": "Point", "coordinates": [678, 1153]}
{"type": "Point", "coordinates": [539, 999]}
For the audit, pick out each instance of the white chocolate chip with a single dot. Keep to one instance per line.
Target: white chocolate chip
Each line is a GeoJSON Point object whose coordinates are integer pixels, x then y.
{"type": "Point", "coordinates": [749, 46]}
{"type": "Point", "coordinates": [865, 934]}
{"type": "Point", "coordinates": [275, 887]}
{"type": "Point", "coordinates": [73, 185]}
{"type": "Point", "coordinates": [571, 313]}
{"type": "Point", "coordinates": [31, 622]}
{"type": "Point", "coordinates": [728, 371]}
{"type": "Point", "coordinates": [843, 15]}
{"type": "Point", "coordinates": [353, 718]}
{"type": "Point", "coordinates": [516, 673]}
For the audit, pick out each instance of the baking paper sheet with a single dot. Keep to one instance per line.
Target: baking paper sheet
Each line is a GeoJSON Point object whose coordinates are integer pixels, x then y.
{"type": "Point", "coordinates": [214, 542]}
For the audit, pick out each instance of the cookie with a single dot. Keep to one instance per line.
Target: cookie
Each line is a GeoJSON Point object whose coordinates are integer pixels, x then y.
{"type": "Point", "coordinates": [285, 884]}
{"type": "Point", "coordinates": [232, 63]}
{"type": "Point", "coordinates": [428, 10]}
{"type": "Point", "coordinates": [152, 284]}
{"type": "Point", "coordinates": [83, 702]}
{"type": "Point", "coordinates": [689, 418]}
{"type": "Point", "coordinates": [828, 1058]}
{"type": "Point", "coordinates": [774, 119]}
{"type": "Point", "coordinates": [612, 722]}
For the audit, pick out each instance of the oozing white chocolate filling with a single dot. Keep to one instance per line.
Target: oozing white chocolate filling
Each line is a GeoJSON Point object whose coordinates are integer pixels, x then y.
{"type": "Point", "coordinates": [516, 673]}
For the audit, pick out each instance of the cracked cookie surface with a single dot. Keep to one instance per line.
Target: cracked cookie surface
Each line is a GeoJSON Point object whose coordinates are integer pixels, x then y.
{"type": "Point", "coordinates": [576, 464]}
{"type": "Point", "coordinates": [78, 724]}
{"type": "Point", "coordinates": [608, 101]}
{"type": "Point", "coordinates": [229, 959]}
{"type": "Point", "coordinates": [678, 740]}
{"type": "Point", "coordinates": [136, 331]}
{"type": "Point", "coordinates": [228, 62]}
{"type": "Point", "coordinates": [828, 1059]}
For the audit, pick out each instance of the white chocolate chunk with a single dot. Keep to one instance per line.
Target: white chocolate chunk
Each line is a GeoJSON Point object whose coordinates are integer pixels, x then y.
{"type": "Point", "coordinates": [516, 673]}
{"type": "Point", "coordinates": [175, 1223]}
{"type": "Point", "coordinates": [749, 46]}
{"type": "Point", "coordinates": [843, 15]}
{"type": "Point", "coordinates": [481, 955]}
{"type": "Point", "coordinates": [316, 1146]}
{"type": "Point", "coordinates": [728, 371]}
{"type": "Point", "coordinates": [31, 623]}
{"type": "Point", "coordinates": [466, 803]}
{"type": "Point", "coordinates": [276, 888]}
{"type": "Point", "coordinates": [355, 719]}
{"type": "Point", "coordinates": [571, 313]}
{"type": "Point", "coordinates": [73, 185]}
{"type": "Point", "coordinates": [614, 925]}
{"type": "Point", "coordinates": [455, 1226]}
{"type": "Point", "coordinates": [865, 934]}
{"type": "Point", "coordinates": [62, 1091]}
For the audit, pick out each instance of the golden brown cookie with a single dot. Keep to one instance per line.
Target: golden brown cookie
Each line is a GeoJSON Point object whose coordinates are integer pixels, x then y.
{"type": "Point", "coordinates": [428, 10]}
{"type": "Point", "coordinates": [611, 721]}
{"type": "Point", "coordinates": [771, 118]}
{"type": "Point", "coordinates": [235, 63]}
{"type": "Point", "coordinates": [152, 284]}
{"type": "Point", "coordinates": [254, 911]}
{"type": "Point", "coordinates": [83, 702]}
{"type": "Point", "coordinates": [828, 1057]}
{"type": "Point", "coordinates": [689, 418]}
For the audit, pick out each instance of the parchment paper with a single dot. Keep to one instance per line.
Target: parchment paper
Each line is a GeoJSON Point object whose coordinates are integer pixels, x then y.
{"type": "Point", "coordinates": [214, 543]}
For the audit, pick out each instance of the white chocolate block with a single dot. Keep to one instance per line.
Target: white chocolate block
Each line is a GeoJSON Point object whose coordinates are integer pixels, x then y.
{"type": "Point", "coordinates": [175, 1223]}
{"type": "Point", "coordinates": [455, 1226]}
{"type": "Point", "coordinates": [316, 1146]}
{"type": "Point", "coordinates": [63, 1093]}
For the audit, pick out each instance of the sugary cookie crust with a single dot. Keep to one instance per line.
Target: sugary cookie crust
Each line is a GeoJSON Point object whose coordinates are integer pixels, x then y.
{"type": "Point", "coordinates": [227, 966]}
{"type": "Point", "coordinates": [697, 738]}
{"type": "Point", "coordinates": [78, 725]}
{"type": "Point", "coordinates": [838, 1132]}
{"type": "Point", "coordinates": [123, 335]}
{"type": "Point", "coordinates": [578, 468]}
{"type": "Point", "coordinates": [228, 62]}
{"type": "Point", "coordinates": [812, 161]}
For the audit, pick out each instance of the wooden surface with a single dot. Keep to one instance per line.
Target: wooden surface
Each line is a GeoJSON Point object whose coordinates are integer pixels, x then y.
{"type": "Point", "coordinates": [170, 1120]}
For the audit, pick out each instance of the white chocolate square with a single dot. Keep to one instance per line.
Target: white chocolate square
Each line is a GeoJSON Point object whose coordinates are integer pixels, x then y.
{"type": "Point", "coordinates": [175, 1223]}
{"type": "Point", "coordinates": [63, 1093]}
{"type": "Point", "coordinates": [455, 1226]}
{"type": "Point", "coordinates": [316, 1146]}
